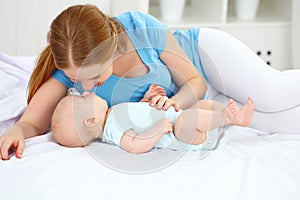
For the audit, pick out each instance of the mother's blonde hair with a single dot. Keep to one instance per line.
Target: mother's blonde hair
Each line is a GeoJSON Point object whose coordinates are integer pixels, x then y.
{"type": "Point", "coordinates": [74, 34]}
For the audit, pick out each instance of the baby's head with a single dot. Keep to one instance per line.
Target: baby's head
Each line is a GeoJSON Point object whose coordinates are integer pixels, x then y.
{"type": "Point", "coordinates": [78, 120]}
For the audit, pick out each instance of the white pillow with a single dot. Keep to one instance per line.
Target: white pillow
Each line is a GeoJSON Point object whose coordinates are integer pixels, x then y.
{"type": "Point", "coordinates": [14, 75]}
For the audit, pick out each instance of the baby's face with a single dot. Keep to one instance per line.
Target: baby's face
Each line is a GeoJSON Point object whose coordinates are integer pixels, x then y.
{"type": "Point", "coordinates": [90, 102]}
{"type": "Point", "coordinates": [99, 103]}
{"type": "Point", "coordinates": [78, 120]}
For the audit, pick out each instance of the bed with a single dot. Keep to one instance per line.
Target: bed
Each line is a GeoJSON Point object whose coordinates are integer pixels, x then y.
{"type": "Point", "coordinates": [246, 164]}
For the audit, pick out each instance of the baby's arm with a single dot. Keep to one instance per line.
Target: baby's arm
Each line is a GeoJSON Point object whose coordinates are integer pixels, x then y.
{"type": "Point", "coordinates": [143, 142]}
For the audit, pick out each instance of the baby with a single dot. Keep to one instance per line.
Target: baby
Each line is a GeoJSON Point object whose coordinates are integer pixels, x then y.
{"type": "Point", "coordinates": [137, 127]}
{"type": "Point", "coordinates": [71, 129]}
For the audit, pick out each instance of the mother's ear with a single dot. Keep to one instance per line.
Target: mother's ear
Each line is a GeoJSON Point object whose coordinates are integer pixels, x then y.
{"type": "Point", "coordinates": [90, 121]}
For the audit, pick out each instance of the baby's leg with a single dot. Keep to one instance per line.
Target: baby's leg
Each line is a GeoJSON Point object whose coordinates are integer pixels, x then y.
{"type": "Point", "coordinates": [236, 71]}
{"type": "Point", "coordinates": [192, 125]}
{"type": "Point", "coordinates": [209, 105]}
{"type": "Point", "coordinates": [153, 90]}
{"type": "Point", "coordinates": [240, 117]}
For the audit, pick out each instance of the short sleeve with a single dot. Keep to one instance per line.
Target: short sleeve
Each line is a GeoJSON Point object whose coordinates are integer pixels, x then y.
{"type": "Point", "coordinates": [112, 133]}
{"type": "Point", "coordinates": [188, 40]}
{"type": "Point", "coordinates": [60, 76]}
{"type": "Point", "coordinates": [144, 30]}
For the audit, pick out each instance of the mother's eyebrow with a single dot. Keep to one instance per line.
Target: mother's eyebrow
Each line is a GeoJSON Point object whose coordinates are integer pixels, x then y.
{"type": "Point", "coordinates": [94, 77]}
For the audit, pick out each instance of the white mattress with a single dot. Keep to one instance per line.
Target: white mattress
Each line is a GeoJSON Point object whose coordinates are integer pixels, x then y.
{"type": "Point", "coordinates": [247, 164]}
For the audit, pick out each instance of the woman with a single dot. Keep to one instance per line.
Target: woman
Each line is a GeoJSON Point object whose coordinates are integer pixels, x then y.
{"type": "Point", "coordinates": [118, 58]}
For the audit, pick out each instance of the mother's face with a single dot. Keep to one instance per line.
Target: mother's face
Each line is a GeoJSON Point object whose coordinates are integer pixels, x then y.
{"type": "Point", "coordinates": [89, 75]}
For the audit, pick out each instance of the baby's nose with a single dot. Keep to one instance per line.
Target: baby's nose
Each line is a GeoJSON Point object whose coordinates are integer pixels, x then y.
{"type": "Point", "coordinates": [86, 93]}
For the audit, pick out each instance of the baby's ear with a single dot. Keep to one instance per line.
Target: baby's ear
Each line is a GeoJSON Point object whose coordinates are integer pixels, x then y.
{"type": "Point", "coordinates": [90, 121]}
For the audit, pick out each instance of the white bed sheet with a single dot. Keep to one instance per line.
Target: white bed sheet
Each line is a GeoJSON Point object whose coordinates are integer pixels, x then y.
{"type": "Point", "coordinates": [247, 164]}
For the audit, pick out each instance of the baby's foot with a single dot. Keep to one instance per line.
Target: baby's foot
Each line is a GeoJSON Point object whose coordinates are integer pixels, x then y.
{"type": "Point", "coordinates": [153, 90]}
{"type": "Point", "coordinates": [240, 117]}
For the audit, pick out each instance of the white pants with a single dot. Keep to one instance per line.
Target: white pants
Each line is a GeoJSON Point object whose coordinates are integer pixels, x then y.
{"type": "Point", "coordinates": [237, 72]}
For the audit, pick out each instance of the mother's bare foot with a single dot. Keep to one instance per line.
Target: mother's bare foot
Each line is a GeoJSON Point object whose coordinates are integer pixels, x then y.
{"type": "Point", "coordinates": [240, 117]}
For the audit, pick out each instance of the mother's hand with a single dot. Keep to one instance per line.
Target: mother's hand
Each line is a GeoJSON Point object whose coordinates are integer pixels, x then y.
{"type": "Point", "coordinates": [10, 140]}
{"type": "Point", "coordinates": [163, 102]}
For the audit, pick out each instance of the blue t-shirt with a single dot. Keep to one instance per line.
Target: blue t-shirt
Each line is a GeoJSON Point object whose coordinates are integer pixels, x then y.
{"type": "Point", "coordinates": [149, 37]}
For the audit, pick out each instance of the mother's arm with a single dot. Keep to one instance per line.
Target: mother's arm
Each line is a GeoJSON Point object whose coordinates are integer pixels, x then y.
{"type": "Point", "coordinates": [191, 84]}
{"type": "Point", "coordinates": [35, 120]}
{"type": "Point", "coordinates": [39, 111]}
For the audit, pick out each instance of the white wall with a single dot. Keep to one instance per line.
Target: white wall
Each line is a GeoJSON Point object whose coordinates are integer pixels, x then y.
{"type": "Point", "coordinates": [25, 23]}
{"type": "Point", "coordinates": [296, 34]}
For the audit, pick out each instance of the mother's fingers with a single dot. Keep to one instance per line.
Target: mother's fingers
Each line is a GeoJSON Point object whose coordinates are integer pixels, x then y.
{"type": "Point", "coordinates": [10, 144]}
{"type": "Point", "coordinates": [158, 101]}
{"type": "Point", "coordinates": [176, 106]}
{"type": "Point", "coordinates": [170, 103]}
{"type": "Point", "coordinates": [20, 148]}
{"type": "Point", "coordinates": [5, 146]}
{"type": "Point", "coordinates": [163, 102]}
{"type": "Point", "coordinates": [154, 100]}
{"type": "Point", "coordinates": [1, 141]}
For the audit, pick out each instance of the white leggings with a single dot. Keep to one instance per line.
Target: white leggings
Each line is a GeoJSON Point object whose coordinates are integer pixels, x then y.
{"type": "Point", "coordinates": [237, 72]}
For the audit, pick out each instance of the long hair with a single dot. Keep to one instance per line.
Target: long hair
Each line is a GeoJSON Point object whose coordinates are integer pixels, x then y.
{"type": "Point", "coordinates": [79, 35]}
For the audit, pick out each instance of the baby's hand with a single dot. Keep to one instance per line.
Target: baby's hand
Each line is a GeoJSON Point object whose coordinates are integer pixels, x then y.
{"type": "Point", "coordinates": [166, 126]}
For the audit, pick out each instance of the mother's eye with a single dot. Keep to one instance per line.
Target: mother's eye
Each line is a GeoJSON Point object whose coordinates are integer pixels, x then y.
{"type": "Point", "coordinates": [74, 80]}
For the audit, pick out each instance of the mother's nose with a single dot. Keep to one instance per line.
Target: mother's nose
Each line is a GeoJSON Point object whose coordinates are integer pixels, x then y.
{"type": "Point", "coordinates": [87, 85]}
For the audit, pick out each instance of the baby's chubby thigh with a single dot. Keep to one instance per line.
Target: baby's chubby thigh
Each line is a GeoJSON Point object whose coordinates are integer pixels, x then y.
{"type": "Point", "coordinates": [185, 128]}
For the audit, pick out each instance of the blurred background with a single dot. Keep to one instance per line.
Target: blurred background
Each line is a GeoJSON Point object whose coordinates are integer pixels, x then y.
{"type": "Point", "coordinates": [271, 28]}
